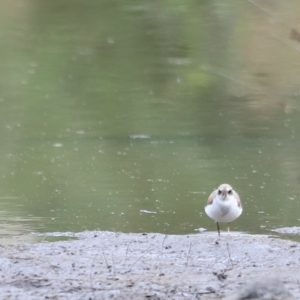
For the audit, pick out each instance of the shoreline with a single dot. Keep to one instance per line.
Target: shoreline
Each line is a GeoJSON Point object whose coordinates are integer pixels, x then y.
{"type": "Point", "coordinates": [109, 265]}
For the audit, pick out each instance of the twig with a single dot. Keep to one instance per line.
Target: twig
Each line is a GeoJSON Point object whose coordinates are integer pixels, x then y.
{"type": "Point", "coordinates": [188, 254]}
{"type": "Point", "coordinates": [162, 246]}
{"type": "Point", "coordinates": [91, 278]}
{"type": "Point", "coordinates": [227, 246]}
{"type": "Point", "coordinates": [52, 266]}
{"type": "Point", "coordinates": [266, 12]}
{"type": "Point", "coordinates": [127, 249]}
{"type": "Point", "coordinates": [138, 259]}
{"type": "Point", "coordinates": [107, 265]}
{"type": "Point", "coordinates": [113, 264]}
{"type": "Point", "coordinates": [162, 251]}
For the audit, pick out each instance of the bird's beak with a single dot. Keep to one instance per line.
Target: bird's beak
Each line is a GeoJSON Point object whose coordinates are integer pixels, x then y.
{"type": "Point", "coordinates": [224, 194]}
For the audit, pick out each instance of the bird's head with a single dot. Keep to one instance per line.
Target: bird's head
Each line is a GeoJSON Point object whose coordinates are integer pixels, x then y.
{"type": "Point", "coordinates": [225, 190]}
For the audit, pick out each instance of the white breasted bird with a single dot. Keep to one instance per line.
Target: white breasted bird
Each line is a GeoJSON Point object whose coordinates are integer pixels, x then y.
{"type": "Point", "coordinates": [224, 205]}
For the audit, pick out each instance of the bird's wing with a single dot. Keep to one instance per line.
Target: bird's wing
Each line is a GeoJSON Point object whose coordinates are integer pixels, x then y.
{"type": "Point", "coordinates": [211, 197]}
{"type": "Point", "coordinates": [237, 198]}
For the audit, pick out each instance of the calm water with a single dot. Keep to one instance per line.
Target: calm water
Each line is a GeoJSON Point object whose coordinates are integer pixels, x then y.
{"type": "Point", "coordinates": [125, 117]}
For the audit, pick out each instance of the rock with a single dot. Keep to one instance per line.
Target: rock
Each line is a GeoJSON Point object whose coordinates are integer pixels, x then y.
{"type": "Point", "coordinates": [265, 289]}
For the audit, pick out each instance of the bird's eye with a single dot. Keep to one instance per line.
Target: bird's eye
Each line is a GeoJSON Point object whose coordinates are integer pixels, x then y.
{"type": "Point", "coordinates": [230, 192]}
{"type": "Point", "coordinates": [219, 192]}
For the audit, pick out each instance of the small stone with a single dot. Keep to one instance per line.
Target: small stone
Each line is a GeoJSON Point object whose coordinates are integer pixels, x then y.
{"type": "Point", "coordinates": [265, 289]}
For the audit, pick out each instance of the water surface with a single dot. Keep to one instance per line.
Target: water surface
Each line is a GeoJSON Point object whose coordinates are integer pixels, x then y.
{"type": "Point", "coordinates": [125, 116]}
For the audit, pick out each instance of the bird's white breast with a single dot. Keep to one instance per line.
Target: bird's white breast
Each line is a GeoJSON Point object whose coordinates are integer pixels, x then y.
{"type": "Point", "coordinates": [224, 211]}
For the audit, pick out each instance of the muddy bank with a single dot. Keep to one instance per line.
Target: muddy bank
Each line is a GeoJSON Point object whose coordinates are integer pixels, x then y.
{"type": "Point", "coordinates": [106, 265]}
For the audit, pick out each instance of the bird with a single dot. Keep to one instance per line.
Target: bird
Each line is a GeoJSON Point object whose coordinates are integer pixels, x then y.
{"type": "Point", "coordinates": [224, 205]}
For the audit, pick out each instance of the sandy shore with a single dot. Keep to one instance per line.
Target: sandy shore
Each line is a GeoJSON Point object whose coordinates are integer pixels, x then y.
{"type": "Point", "coordinates": [106, 265]}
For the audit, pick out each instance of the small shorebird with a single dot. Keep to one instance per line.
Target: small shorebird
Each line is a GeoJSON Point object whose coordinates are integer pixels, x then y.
{"type": "Point", "coordinates": [224, 205]}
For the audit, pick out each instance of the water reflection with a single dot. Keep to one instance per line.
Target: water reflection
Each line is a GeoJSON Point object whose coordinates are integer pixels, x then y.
{"type": "Point", "coordinates": [109, 112]}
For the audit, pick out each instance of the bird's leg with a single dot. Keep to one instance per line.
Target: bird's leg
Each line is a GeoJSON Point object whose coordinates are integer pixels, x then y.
{"type": "Point", "coordinates": [228, 227]}
{"type": "Point", "coordinates": [218, 227]}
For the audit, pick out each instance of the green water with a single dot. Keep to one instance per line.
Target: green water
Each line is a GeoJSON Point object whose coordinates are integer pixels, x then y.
{"type": "Point", "coordinates": [124, 116]}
